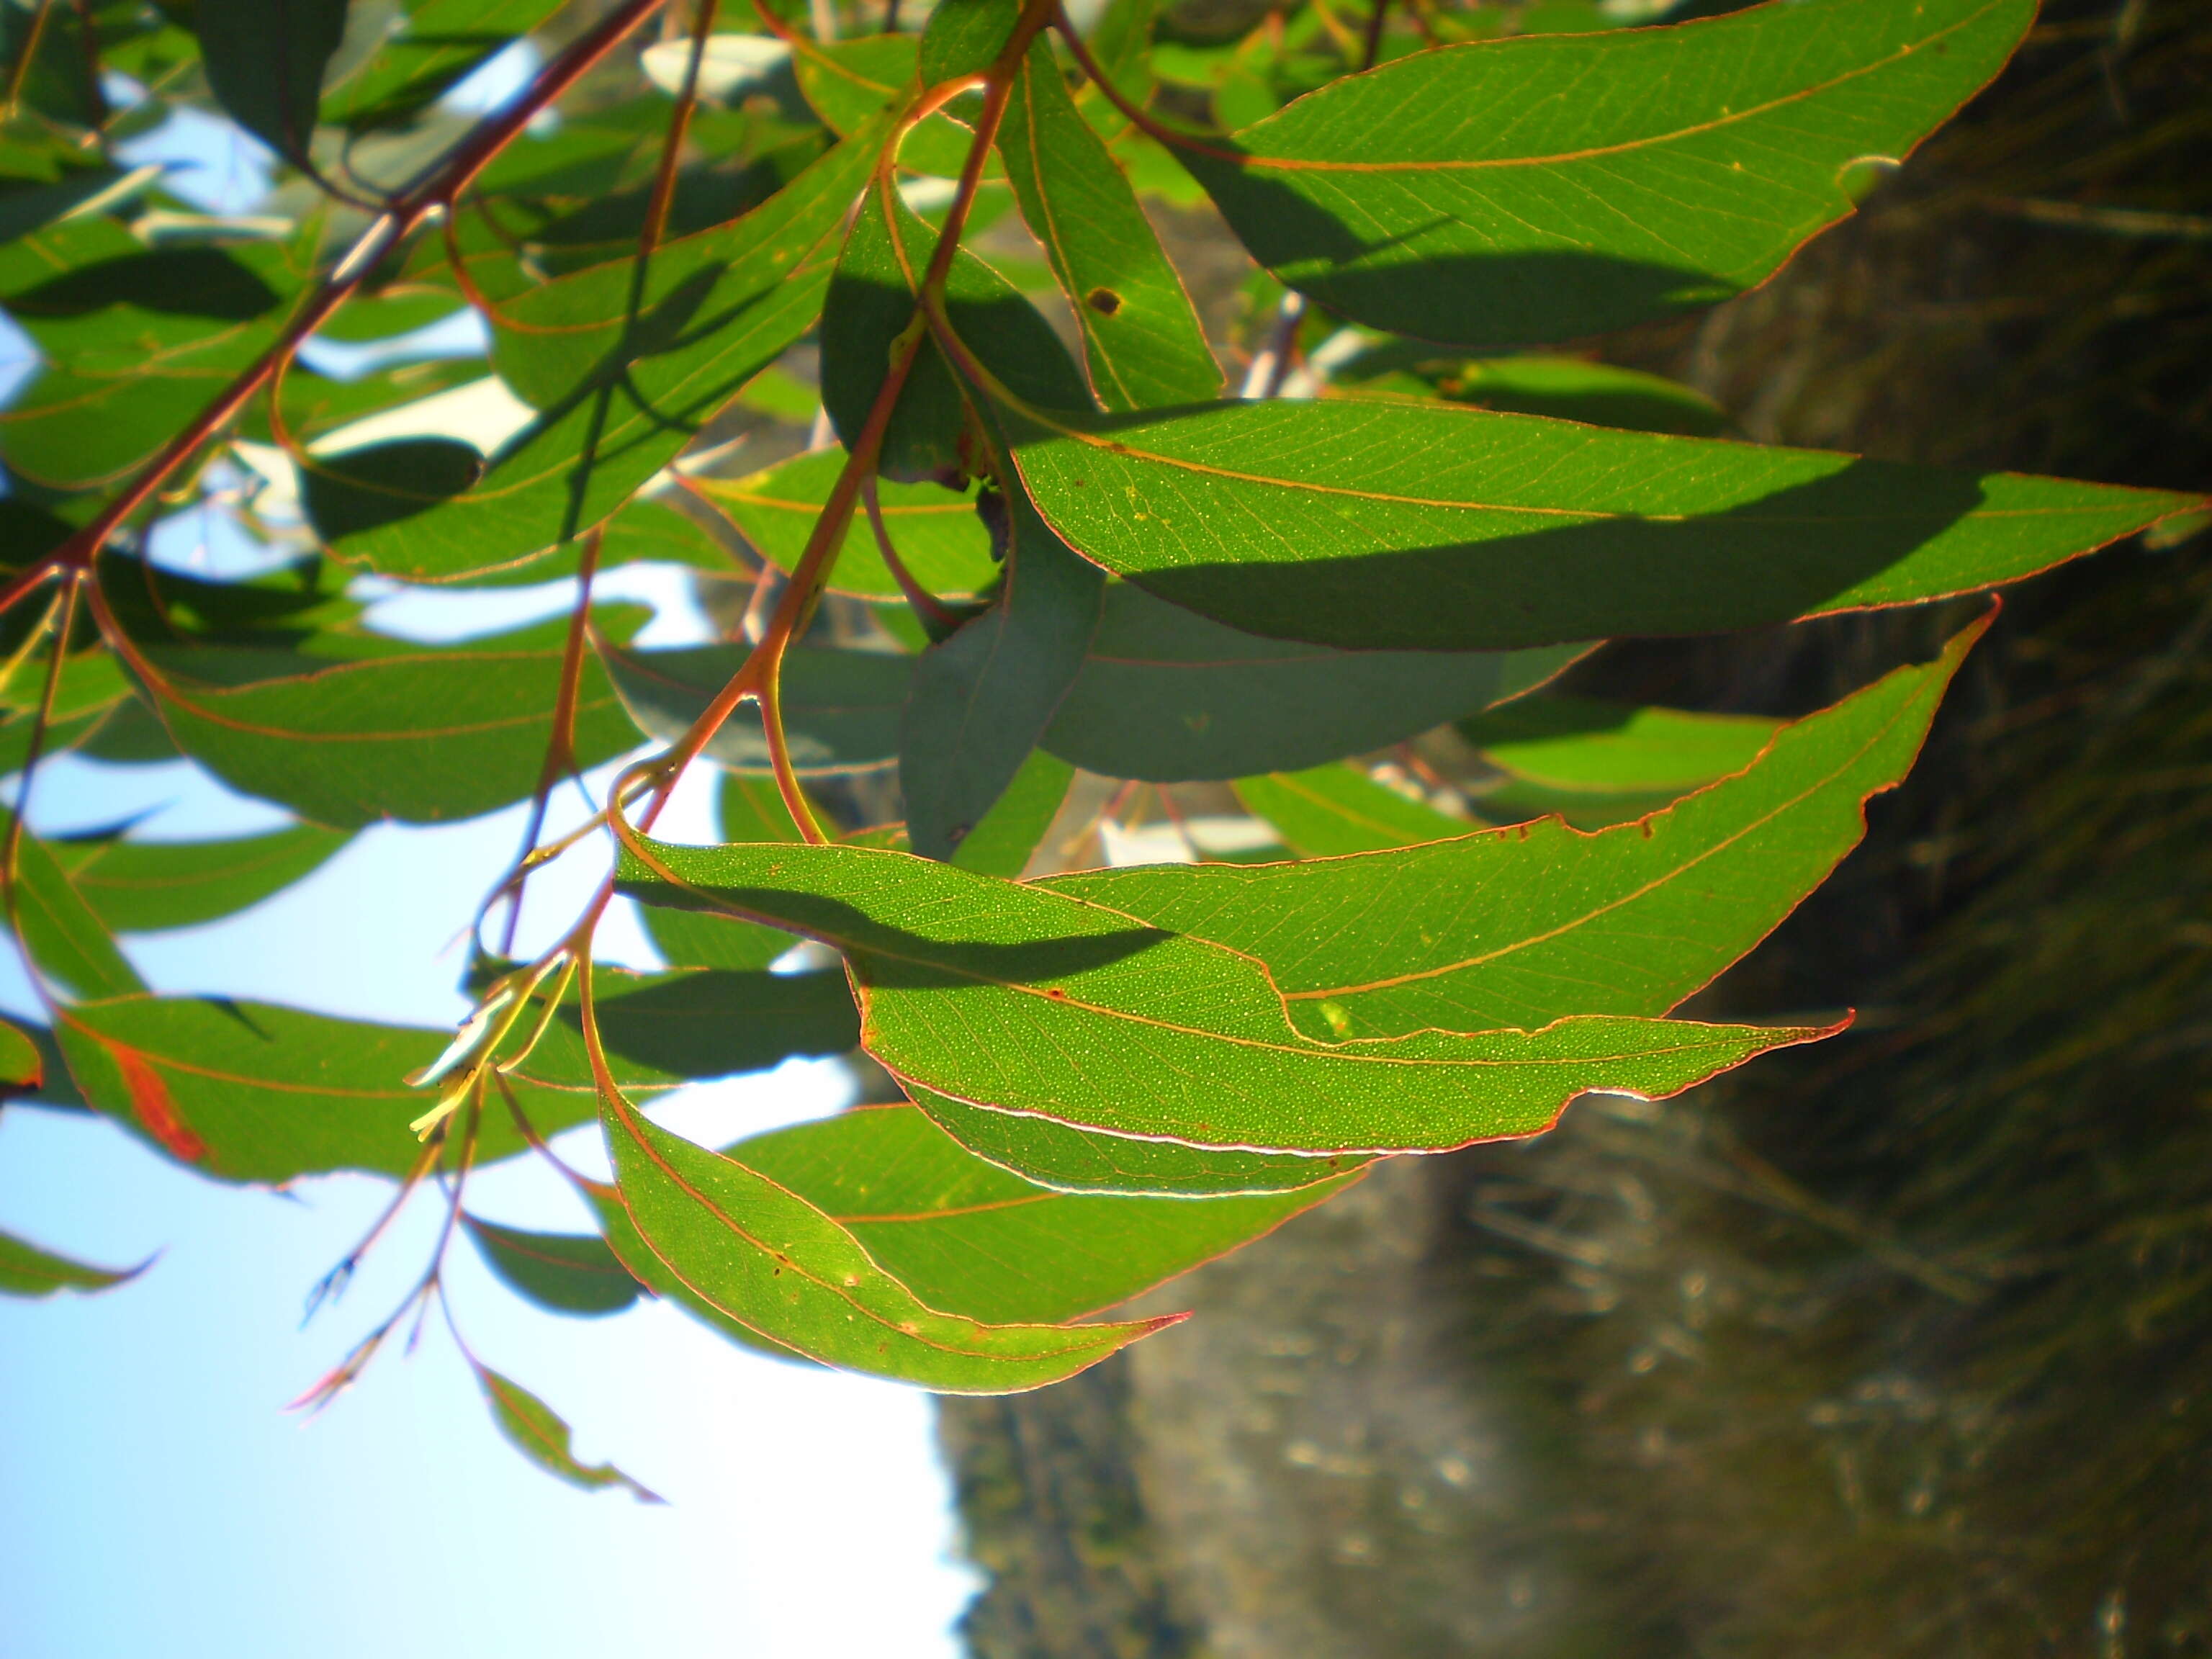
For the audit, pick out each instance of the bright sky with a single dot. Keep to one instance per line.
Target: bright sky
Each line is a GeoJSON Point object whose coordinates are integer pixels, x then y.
{"type": "Point", "coordinates": [155, 1499]}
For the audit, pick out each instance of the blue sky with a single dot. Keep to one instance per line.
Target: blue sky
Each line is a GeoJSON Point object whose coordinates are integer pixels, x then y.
{"type": "Point", "coordinates": [155, 1497]}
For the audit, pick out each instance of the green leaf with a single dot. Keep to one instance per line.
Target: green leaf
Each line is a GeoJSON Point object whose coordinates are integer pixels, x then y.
{"type": "Point", "coordinates": [437, 45]}
{"type": "Point", "coordinates": [625, 380]}
{"type": "Point", "coordinates": [939, 538]}
{"type": "Point", "coordinates": [852, 82]}
{"type": "Point", "coordinates": [530, 1425]}
{"type": "Point", "coordinates": [22, 1065]}
{"type": "Point", "coordinates": [265, 61]}
{"type": "Point", "coordinates": [965, 37]}
{"type": "Point", "coordinates": [1543, 921]}
{"type": "Point", "coordinates": [62, 935]}
{"type": "Point", "coordinates": [1068, 1159]}
{"type": "Point", "coordinates": [1544, 187]}
{"type": "Point", "coordinates": [144, 886]}
{"type": "Point", "coordinates": [982, 699]}
{"type": "Point", "coordinates": [871, 303]}
{"type": "Point", "coordinates": [776, 1264]}
{"type": "Point", "coordinates": [135, 342]}
{"type": "Point", "coordinates": [249, 1091]}
{"type": "Point", "coordinates": [967, 1238]}
{"type": "Point", "coordinates": [1330, 810]}
{"type": "Point", "coordinates": [1004, 838]}
{"type": "Point", "coordinates": [422, 734]}
{"type": "Point", "coordinates": [1167, 696]}
{"type": "Point", "coordinates": [1566, 388]}
{"type": "Point", "coordinates": [1020, 998]}
{"type": "Point", "coordinates": [1142, 342]}
{"type": "Point", "coordinates": [751, 810]}
{"type": "Point", "coordinates": [1584, 744]}
{"type": "Point", "coordinates": [28, 1271]}
{"type": "Point", "coordinates": [1404, 527]}
{"type": "Point", "coordinates": [637, 1257]}
{"type": "Point", "coordinates": [841, 706]}
{"type": "Point", "coordinates": [564, 1273]}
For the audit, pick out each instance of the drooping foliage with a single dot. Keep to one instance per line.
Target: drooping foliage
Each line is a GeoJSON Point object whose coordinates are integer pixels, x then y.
{"type": "Point", "coordinates": [1032, 576]}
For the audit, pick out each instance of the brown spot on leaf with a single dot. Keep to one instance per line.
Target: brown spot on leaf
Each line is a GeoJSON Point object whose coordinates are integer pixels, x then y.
{"type": "Point", "coordinates": [1103, 300]}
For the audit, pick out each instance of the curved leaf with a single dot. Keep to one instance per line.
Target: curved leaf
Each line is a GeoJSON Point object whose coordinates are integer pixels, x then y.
{"type": "Point", "coordinates": [772, 1263]}
{"type": "Point", "coordinates": [144, 886]}
{"type": "Point", "coordinates": [1142, 342]}
{"type": "Point", "coordinates": [1545, 921]}
{"type": "Point", "coordinates": [564, 1273]}
{"type": "Point", "coordinates": [1020, 998]}
{"type": "Point", "coordinates": [1168, 696]}
{"type": "Point", "coordinates": [1333, 810]}
{"type": "Point", "coordinates": [1377, 525]}
{"type": "Point", "coordinates": [533, 1430]}
{"type": "Point", "coordinates": [26, 1270]}
{"type": "Point", "coordinates": [968, 1237]}
{"type": "Point", "coordinates": [940, 538]}
{"type": "Point", "coordinates": [1547, 187]}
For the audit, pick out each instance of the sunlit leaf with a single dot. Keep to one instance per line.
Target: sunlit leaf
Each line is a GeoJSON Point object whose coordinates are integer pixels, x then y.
{"type": "Point", "coordinates": [1142, 342]}
{"type": "Point", "coordinates": [252, 1092]}
{"type": "Point", "coordinates": [750, 809]}
{"type": "Point", "coordinates": [531, 1426]}
{"type": "Point", "coordinates": [1400, 526]}
{"type": "Point", "coordinates": [1020, 998]}
{"type": "Point", "coordinates": [1583, 746]}
{"type": "Point", "coordinates": [968, 1237]}
{"type": "Point", "coordinates": [1544, 920]}
{"type": "Point", "coordinates": [1544, 187]}
{"type": "Point", "coordinates": [63, 936]}
{"type": "Point", "coordinates": [773, 1263]}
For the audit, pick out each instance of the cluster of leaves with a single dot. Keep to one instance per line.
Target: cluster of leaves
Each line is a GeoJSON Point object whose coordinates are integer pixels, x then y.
{"type": "Point", "coordinates": [1035, 548]}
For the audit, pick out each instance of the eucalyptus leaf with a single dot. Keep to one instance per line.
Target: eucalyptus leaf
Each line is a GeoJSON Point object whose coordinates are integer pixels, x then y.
{"type": "Point", "coordinates": [1544, 920]}
{"type": "Point", "coordinates": [26, 1270]}
{"type": "Point", "coordinates": [1554, 186]}
{"type": "Point", "coordinates": [533, 1430]}
{"type": "Point", "coordinates": [563, 1272]}
{"type": "Point", "coordinates": [1376, 525]}
{"type": "Point", "coordinates": [1167, 696]}
{"type": "Point", "coordinates": [1330, 810]}
{"type": "Point", "coordinates": [1022, 998]}
{"type": "Point", "coordinates": [141, 886]}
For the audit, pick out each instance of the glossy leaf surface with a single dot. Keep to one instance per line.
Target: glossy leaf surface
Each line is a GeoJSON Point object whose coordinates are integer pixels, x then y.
{"type": "Point", "coordinates": [1167, 696]}
{"type": "Point", "coordinates": [968, 1237]}
{"type": "Point", "coordinates": [1020, 998]}
{"type": "Point", "coordinates": [1069, 1159]}
{"type": "Point", "coordinates": [1542, 921]}
{"type": "Point", "coordinates": [1142, 342]}
{"type": "Point", "coordinates": [1548, 187]}
{"type": "Point", "coordinates": [768, 1260]}
{"type": "Point", "coordinates": [1395, 525]}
